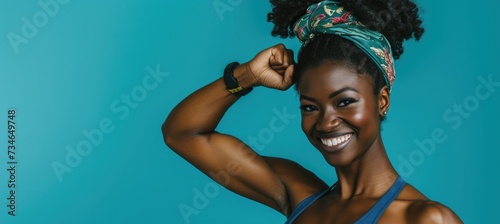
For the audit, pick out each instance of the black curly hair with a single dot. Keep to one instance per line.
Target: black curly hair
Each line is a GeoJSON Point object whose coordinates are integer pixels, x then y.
{"type": "Point", "coordinates": [397, 20]}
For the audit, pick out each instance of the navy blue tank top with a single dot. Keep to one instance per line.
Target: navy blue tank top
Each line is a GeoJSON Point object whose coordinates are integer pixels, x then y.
{"type": "Point", "coordinates": [371, 216]}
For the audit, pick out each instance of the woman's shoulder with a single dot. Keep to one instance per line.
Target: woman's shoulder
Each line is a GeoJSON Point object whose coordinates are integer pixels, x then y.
{"type": "Point", "coordinates": [431, 212]}
{"type": "Point", "coordinates": [420, 209]}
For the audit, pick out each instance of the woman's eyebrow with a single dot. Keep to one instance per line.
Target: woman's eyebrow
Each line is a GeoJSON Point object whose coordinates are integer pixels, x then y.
{"type": "Point", "coordinates": [341, 91]}
{"type": "Point", "coordinates": [303, 97]}
{"type": "Point", "coordinates": [335, 93]}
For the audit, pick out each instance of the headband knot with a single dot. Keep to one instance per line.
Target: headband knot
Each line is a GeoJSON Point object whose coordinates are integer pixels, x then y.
{"type": "Point", "coordinates": [330, 17]}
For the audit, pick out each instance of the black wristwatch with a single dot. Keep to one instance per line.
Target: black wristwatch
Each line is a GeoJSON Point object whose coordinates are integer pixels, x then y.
{"type": "Point", "coordinates": [232, 84]}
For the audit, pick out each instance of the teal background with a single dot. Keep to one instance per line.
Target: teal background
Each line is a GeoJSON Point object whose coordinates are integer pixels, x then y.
{"type": "Point", "coordinates": [65, 79]}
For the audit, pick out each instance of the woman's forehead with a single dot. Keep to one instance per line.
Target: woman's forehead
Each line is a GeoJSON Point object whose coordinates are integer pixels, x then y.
{"type": "Point", "coordinates": [330, 76]}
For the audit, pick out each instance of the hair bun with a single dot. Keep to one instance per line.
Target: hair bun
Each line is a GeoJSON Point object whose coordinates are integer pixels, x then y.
{"type": "Point", "coordinates": [397, 20]}
{"type": "Point", "coordinates": [284, 15]}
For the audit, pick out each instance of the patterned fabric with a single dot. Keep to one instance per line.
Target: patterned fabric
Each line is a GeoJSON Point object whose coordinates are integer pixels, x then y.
{"type": "Point", "coordinates": [329, 17]}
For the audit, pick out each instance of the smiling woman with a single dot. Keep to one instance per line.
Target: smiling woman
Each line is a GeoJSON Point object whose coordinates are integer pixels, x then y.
{"type": "Point", "coordinates": [343, 124]}
{"type": "Point", "coordinates": [344, 75]}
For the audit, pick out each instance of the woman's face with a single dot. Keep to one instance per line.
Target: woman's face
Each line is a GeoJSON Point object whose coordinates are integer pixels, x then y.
{"type": "Point", "coordinates": [340, 114]}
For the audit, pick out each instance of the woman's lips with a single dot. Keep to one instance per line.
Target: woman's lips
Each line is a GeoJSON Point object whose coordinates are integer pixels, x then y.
{"type": "Point", "coordinates": [336, 143]}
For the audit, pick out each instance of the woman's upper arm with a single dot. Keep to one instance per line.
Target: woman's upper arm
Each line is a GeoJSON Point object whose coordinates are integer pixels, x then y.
{"type": "Point", "coordinates": [234, 165]}
{"type": "Point", "coordinates": [278, 183]}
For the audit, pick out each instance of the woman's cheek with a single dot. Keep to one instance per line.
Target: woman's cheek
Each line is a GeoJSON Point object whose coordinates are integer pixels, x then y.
{"type": "Point", "coordinates": [359, 117]}
{"type": "Point", "coordinates": [363, 118]}
{"type": "Point", "coordinates": [308, 124]}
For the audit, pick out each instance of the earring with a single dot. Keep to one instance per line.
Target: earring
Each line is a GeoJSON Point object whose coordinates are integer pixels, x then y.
{"type": "Point", "coordinates": [385, 113]}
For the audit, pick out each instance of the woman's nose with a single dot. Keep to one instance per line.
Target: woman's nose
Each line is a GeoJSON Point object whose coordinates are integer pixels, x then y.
{"type": "Point", "coordinates": [328, 122]}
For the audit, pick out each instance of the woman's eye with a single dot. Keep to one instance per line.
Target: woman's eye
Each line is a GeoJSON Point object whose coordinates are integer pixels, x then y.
{"type": "Point", "coordinates": [307, 108]}
{"type": "Point", "coordinates": [346, 102]}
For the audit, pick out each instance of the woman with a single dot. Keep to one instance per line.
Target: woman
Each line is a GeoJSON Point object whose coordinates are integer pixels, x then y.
{"type": "Point", "coordinates": [344, 75]}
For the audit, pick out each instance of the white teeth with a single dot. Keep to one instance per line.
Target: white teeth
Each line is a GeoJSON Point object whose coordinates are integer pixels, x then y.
{"type": "Point", "coordinates": [335, 141]}
{"type": "Point", "coordinates": [329, 142]}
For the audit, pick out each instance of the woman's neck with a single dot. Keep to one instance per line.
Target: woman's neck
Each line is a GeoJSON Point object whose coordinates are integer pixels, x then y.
{"type": "Point", "coordinates": [371, 175]}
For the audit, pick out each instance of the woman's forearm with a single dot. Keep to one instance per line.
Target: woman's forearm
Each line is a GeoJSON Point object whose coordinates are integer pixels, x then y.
{"type": "Point", "coordinates": [201, 112]}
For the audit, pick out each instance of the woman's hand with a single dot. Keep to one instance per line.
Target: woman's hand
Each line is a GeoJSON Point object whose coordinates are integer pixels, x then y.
{"type": "Point", "coordinates": [272, 67]}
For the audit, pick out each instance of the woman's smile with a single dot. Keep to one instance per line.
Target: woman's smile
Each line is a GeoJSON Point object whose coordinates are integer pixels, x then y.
{"type": "Point", "coordinates": [335, 144]}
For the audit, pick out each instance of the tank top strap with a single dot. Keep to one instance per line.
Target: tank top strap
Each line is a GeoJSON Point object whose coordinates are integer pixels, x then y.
{"type": "Point", "coordinates": [304, 204]}
{"type": "Point", "coordinates": [373, 215]}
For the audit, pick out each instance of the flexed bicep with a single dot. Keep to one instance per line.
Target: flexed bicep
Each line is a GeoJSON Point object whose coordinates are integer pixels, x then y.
{"type": "Point", "coordinates": [235, 166]}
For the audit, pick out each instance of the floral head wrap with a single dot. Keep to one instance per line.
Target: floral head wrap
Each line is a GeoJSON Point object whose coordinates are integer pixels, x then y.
{"type": "Point", "coordinates": [330, 17]}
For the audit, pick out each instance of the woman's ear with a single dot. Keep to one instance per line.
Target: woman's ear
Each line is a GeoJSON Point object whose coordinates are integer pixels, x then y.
{"type": "Point", "coordinates": [384, 101]}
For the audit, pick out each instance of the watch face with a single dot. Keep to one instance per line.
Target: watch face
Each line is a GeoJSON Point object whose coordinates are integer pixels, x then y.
{"type": "Point", "coordinates": [229, 80]}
